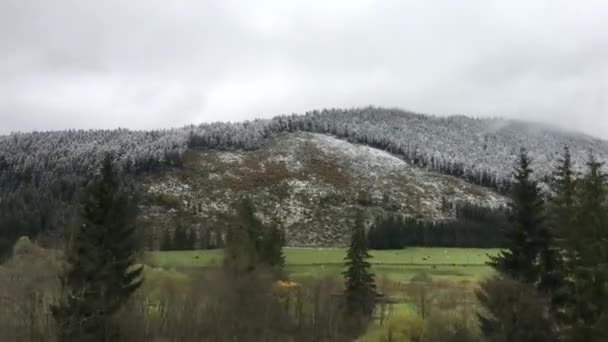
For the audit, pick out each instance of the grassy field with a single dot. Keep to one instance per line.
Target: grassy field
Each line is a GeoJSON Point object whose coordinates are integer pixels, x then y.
{"type": "Point", "coordinates": [452, 264]}
{"type": "Point", "coordinates": [452, 274]}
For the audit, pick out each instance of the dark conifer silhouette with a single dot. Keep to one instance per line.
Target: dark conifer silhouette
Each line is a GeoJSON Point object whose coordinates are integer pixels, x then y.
{"type": "Point", "coordinates": [101, 273]}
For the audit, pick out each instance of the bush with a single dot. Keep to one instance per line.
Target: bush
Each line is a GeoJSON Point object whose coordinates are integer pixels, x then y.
{"type": "Point", "coordinates": [513, 311]}
{"type": "Point", "coordinates": [406, 327]}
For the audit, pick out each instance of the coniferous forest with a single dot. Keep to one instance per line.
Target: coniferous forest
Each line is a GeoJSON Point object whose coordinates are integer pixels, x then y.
{"type": "Point", "coordinates": [474, 226]}
{"type": "Point", "coordinates": [74, 268]}
{"type": "Point", "coordinates": [42, 174]}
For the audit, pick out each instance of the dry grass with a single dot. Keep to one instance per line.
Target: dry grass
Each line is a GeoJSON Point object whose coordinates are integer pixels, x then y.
{"type": "Point", "coordinates": [327, 169]}
{"type": "Point", "coordinates": [257, 171]}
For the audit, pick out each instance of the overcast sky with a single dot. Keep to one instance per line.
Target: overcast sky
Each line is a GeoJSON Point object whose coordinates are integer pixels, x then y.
{"type": "Point", "coordinates": [155, 64]}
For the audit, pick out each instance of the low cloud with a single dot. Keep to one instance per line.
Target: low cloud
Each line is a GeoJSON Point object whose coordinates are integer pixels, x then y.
{"type": "Point", "coordinates": [153, 64]}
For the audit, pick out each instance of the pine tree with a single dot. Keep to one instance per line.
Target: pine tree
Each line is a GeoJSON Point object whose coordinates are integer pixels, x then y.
{"type": "Point", "coordinates": [250, 243]}
{"type": "Point", "coordinates": [531, 256]}
{"type": "Point", "coordinates": [242, 239]}
{"type": "Point", "coordinates": [180, 238]}
{"type": "Point", "coordinates": [593, 217]}
{"type": "Point", "coordinates": [166, 242]}
{"type": "Point", "coordinates": [271, 251]}
{"type": "Point", "coordinates": [360, 288]}
{"type": "Point", "coordinates": [590, 253]}
{"type": "Point", "coordinates": [563, 214]}
{"type": "Point", "coordinates": [191, 240]}
{"type": "Point", "coordinates": [101, 273]}
{"type": "Point", "coordinates": [519, 259]}
{"type": "Point", "coordinates": [564, 202]}
{"type": "Point", "coordinates": [527, 234]}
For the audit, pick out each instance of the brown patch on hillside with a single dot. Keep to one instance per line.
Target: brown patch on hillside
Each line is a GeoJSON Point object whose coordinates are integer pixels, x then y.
{"type": "Point", "coordinates": [316, 162]}
{"type": "Point", "coordinates": [253, 162]}
{"type": "Point", "coordinates": [257, 171]}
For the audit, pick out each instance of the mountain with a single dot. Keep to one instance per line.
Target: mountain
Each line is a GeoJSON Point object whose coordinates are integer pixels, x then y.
{"type": "Point", "coordinates": [312, 184]}
{"type": "Point", "coordinates": [479, 150]}
{"type": "Point", "coordinates": [42, 173]}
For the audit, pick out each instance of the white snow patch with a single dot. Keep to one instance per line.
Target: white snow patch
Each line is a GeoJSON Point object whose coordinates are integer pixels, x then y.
{"type": "Point", "coordinates": [231, 157]}
{"type": "Point", "coordinates": [361, 159]}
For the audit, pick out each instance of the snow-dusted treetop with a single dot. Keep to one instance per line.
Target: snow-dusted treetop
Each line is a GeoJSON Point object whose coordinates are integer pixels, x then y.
{"type": "Point", "coordinates": [480, 150]}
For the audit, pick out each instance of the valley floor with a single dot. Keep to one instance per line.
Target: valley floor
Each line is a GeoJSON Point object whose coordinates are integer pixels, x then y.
{"type": "Point", "coordinates": [448, 264]}
{"type": "Point", "coordinates": [417, 282]}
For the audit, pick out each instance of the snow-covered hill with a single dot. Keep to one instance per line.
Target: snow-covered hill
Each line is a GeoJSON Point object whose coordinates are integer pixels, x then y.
{"type": "Point", "coordinates": [479, 150]}
{"type": "Point", "coordinates": [42, 173]}
{"type": "Point", "coordinates": [311, 184]}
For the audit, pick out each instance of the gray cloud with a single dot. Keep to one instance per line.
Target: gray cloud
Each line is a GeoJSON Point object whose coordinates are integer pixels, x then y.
{"type": "Point", "coordinates": [151, 63]}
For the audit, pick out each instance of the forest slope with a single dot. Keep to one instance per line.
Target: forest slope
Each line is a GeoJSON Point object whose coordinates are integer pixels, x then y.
{"type": "Point", "coordinates": [311, 184]}
{"type": "Point", "coordinates": [43, 173]}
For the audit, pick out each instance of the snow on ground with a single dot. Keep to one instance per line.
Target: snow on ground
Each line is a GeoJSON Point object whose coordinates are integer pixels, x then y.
{"type": "Point", "coordinates": [362, 159]}
{"type": "Point", "coordinates": [231, 157]}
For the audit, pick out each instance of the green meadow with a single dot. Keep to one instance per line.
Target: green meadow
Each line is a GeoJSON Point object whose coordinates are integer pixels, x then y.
{"type": "Point", "coordinates": [450, 264]}
{"type": "Point", "coordinates": [435, 275]}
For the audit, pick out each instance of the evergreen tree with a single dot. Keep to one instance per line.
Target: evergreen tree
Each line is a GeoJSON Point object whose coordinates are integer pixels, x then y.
{"type": "Point", "coordinates": [101, 273]}
{"type": "Point", "coordinates": [191, 240]}
{"type": "Point", "coordinates": [250, 243]}
{"type": "Point", "coordinates": [242, 240]}
{"type": "Point", "coordinates": [530, 254]}
{"type": "Point", "coordinates": [166, 242]}
{"type": "Point", "coordinates": [590, 257]}
{"type": "Point", "coordinates": [563, 214]}
{"type": "Point", "coordinates": [360, 288]}
{"type": "Point", "coordinates": [271, 251]}
{"type": "Point", "coordinates": [206, 241]}
{"type": "Point", "coordinates": [180, 238]}
{"type": "Point", "coordinates": [564, 202]}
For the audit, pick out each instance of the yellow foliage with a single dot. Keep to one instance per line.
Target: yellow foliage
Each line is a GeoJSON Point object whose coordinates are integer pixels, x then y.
{"type": "Point", "coordinates": [286, 285]}
{"type": "Point", "coordinates": [406, 327]}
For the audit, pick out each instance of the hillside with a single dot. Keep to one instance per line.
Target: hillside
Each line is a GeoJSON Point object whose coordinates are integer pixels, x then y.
{"type": "Point", "coordinates": [479, 150]}
{"type": "Point", "coordinates": [43, 173]}
{"type": "Point", "coordinates": [311, 184]}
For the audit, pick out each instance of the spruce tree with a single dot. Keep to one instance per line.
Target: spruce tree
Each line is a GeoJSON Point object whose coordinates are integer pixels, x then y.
{"type": "Point", "coordinates": [564, 204]}
{"type": "Point", "coordinates": [564, 201]}
{"type": "Point", "coordinates": [166, 242]}
{"type": "Point", "coordinates": [590, 254]}
{"type": "Point", "coordinates": [360, 287]}
{"type": "Point", "coordinates": [250, 243]}
{"type": "Point", "coordinates": [180, 238]}
{"type": "Point", "coordinates": [191, 240]}
{"type": "Point", "coordinates": [100, 275]}
{"type": "Point", "coordinates": [527, 237]}
{"type": "Point", "coordinates": [240, 252]}
{"type": "Point", "coordinates": [271, 252]}
{"type": "Point", "coordinates": [563, 220]}
{"type": "Point", "coordinates": [593, 216]}
{"type": "Point", "coordinates": [531, 255]}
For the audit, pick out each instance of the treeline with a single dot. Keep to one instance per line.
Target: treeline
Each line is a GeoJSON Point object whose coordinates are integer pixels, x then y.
{"type": "Point", "coordinates": [473, 226]}
{"type": "Point", "coordinates": [182, 239]}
